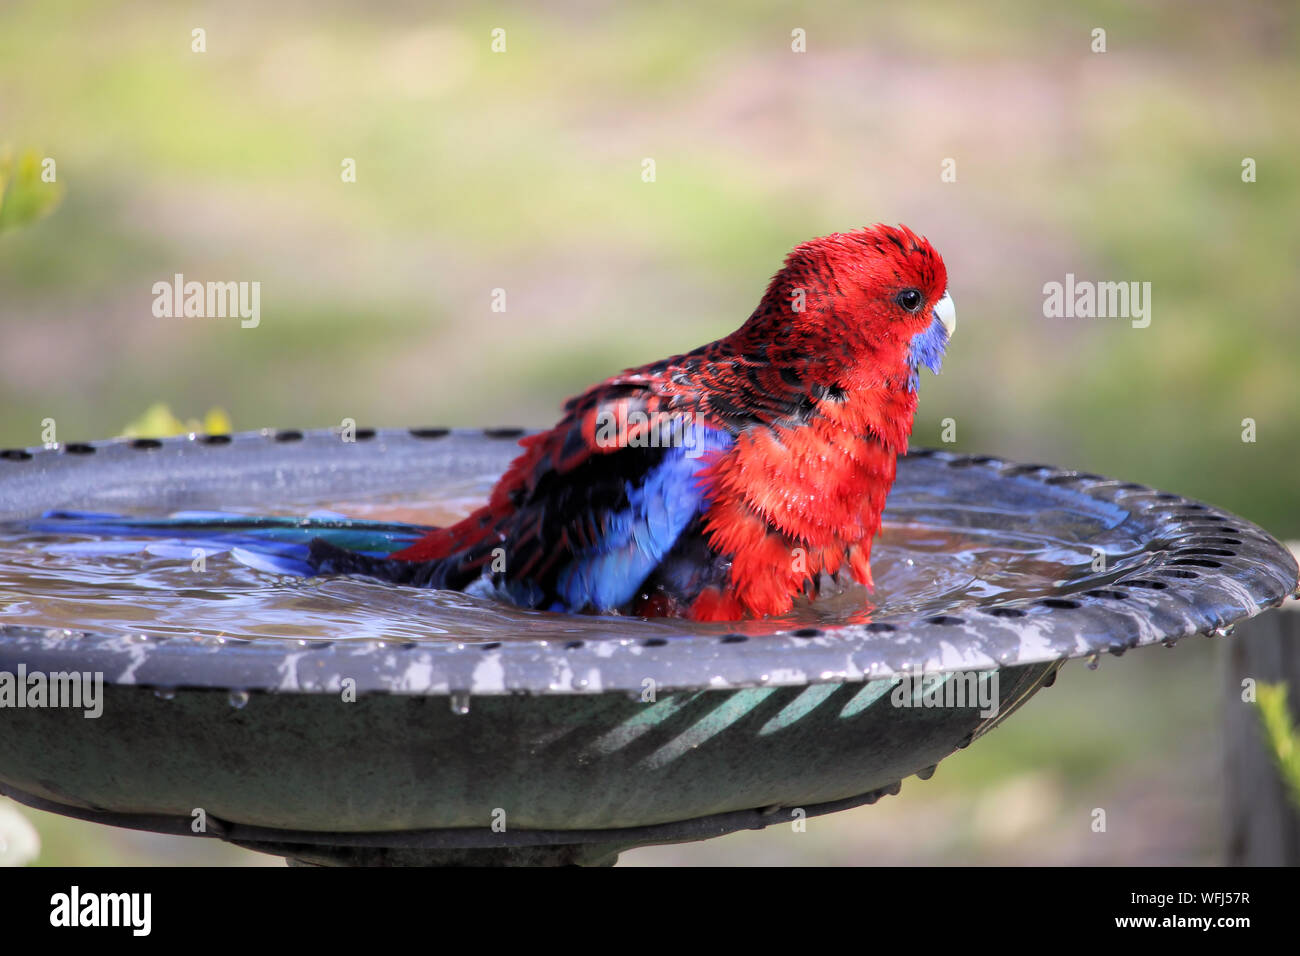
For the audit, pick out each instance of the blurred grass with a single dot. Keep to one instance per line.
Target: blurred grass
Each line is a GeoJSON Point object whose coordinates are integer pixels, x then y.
{"type": "Point", "coordinates": [522, 171]}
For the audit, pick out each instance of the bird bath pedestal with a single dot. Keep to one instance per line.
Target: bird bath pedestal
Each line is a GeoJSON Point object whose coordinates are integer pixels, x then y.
{"type": "Point", "coordinates": [539, 749]}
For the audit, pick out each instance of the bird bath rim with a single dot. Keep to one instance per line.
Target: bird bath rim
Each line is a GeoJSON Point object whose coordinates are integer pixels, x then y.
{"type": "Point", "coordinates": [1177, 592]}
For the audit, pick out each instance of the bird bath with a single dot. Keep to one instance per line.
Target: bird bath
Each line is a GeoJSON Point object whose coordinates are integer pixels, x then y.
{"type": "Point", "coordinates": [400, 726]}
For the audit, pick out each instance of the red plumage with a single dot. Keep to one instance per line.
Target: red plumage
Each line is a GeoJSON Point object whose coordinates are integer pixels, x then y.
{"type": "Point", "coordinates": [817, 389]}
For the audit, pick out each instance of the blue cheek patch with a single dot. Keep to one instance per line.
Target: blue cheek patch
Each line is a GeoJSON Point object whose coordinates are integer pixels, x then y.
{"type": "Point", "coordinates": [926, 349]}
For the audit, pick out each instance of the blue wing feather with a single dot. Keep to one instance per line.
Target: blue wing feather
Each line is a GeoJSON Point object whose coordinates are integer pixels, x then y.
{"type": "Point", "coordinates": [636, 539]}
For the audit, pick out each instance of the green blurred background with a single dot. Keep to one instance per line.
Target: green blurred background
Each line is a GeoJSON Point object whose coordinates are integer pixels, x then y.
{"type": "Point", "coordinates": [522, 171]}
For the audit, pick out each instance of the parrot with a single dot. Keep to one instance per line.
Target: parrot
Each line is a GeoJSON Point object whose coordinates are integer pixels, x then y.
{"type": "Point", "coordinates": [716, 485]}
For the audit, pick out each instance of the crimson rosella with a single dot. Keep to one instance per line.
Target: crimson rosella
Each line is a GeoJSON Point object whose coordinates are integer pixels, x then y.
{"type": "Point", "coordinates": [715, 485]}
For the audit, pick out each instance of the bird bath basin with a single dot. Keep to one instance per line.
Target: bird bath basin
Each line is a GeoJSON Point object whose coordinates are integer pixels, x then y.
{"type": "Point", "coordinates": [341, 720]}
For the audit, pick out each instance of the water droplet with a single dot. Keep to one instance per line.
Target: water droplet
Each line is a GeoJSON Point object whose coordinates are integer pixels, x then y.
{"type": "Point", "coordinates": [460, 702]}
{"type": "Point", "coordinates": [1094, 661]}
{"type": "Point", "coordinates": [1225, 631]}
{"type": "Point", "coordinates": [238, 699]}
{"type": "Point", "coordinates": [165, 693]}
{"type": "Point", "coordinates": [928, 772]}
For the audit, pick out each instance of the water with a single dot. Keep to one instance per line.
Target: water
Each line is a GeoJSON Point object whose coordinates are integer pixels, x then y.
{"type": "Point", "coordinates": [934, 555]}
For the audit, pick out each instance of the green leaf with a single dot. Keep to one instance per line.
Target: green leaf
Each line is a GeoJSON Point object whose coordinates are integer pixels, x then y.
{"type": "Point", "coordinates": [25, 196]}
{"type": "Point", "coordinates": [158, 421]}
{"type": "Point", "coordinates": [1283, 739]}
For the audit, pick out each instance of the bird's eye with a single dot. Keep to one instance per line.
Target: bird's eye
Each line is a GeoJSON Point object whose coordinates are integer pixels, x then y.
{"type": "Point", "coordinates": [909, 299]}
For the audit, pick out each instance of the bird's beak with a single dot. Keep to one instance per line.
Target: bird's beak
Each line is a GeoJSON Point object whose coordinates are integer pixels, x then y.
{"type": "Point", "coordinates": [946, 313]}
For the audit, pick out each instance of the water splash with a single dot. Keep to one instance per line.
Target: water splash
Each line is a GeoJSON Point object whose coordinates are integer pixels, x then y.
{"type": "Point", "coordinates": [932, 555]}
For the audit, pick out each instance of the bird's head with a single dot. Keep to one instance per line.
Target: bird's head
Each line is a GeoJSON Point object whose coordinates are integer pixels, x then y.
{"type": "Point", "coordinates": [872, 303]}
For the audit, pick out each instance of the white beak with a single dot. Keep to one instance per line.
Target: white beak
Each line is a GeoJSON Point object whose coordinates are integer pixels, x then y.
{"type": "Point", "coordinates": [946, 313]}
